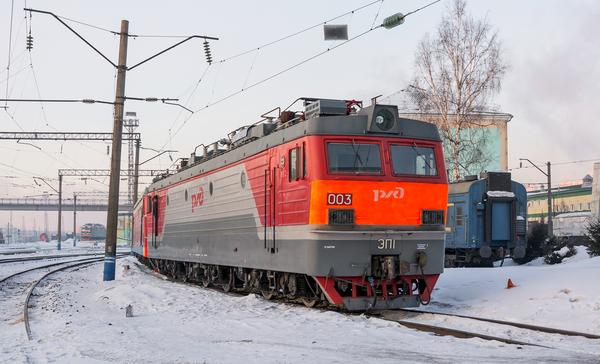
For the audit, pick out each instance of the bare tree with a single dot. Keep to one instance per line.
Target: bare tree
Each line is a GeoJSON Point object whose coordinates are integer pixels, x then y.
{"type": "Point", "coordinates": [457, 73]}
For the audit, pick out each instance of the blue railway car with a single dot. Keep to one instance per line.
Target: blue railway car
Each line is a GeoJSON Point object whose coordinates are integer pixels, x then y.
{"type": "Point", "coordinates": [486, 220]}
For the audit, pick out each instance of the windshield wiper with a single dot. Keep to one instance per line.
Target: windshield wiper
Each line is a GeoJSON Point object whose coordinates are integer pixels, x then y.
{"type": "Point", "coordinates": [356, 155]}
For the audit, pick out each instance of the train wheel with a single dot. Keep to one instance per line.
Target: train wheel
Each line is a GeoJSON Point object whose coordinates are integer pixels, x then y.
{"type": "Point", "coordinates": [206, 277]}
{"type": "Point", "coordinates": [228, 286]}
{"type": "Point", "coordinates": [292, 285]}
{"type": "Point", "coordinates": [267, 294]}
{"type": "Point", "coordinates": [309, 302]}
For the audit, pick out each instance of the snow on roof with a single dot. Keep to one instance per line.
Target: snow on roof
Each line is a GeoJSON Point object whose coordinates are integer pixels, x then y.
{"type": "Point", "coordinates": [500, 194]}
{"type": "Point", "coordinates": [574, 214]}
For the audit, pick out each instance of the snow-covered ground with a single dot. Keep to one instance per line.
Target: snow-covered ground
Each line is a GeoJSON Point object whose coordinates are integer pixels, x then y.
{"type": "Point", "coordinates": [76, 317]}
{"type": "Point", "coordinates": [565, 296]}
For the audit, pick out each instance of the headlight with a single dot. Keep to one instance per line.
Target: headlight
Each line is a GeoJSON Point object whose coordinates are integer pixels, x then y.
{"type": "Point", "coordinates": [384, 119]}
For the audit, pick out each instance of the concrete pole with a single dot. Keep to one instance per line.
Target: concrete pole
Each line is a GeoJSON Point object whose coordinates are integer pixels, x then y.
{"type": "Point", "coordinates": [58, 245]}
{"type": "Point", "coordinates": [74, 219]}
{"type": "Point", "coordinates": [549, 174]}
{"type": "Point", "coordinates": [115, 165]}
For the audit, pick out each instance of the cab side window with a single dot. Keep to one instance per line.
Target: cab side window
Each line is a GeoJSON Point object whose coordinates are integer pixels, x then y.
{"type": "Point", "coordinates": [294, 164]}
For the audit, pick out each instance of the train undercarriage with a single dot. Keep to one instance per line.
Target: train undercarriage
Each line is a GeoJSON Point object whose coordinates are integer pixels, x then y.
{"type": "Point", "coordinates": [347, 293]}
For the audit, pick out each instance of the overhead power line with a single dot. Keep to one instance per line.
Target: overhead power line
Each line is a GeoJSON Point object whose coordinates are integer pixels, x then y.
{"type": "Point", "coordinates": [298, 32]}
{"type": "Point", "coordinates": [559, 163]}
{"type": "Point", "coordinates": [388, 23]}
{"type": "Point", "coordinates": [12, 6]}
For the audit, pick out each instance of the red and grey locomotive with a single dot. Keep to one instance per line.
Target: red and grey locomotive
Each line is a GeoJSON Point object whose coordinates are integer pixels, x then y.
{"type": "Point", "coordinates": [338, 204]}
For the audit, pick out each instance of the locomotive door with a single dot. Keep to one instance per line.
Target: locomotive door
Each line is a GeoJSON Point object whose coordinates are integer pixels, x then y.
{"type": "Point", "coordinates": [271, 175]}
{"type": "Point", "coordinates": [154, 220]}
{"type": "Point", "coordinates": [147, 231]}
{"type": "Point", "coordinates": [151, 221]}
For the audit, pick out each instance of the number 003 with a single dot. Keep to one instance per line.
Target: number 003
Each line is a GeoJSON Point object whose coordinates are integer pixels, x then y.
{"type": "Point", "coordinates": [339, 199]}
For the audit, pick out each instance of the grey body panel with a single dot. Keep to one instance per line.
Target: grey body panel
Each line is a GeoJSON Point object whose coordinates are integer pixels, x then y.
{"type": "Point", "coordinates": [298, 249]}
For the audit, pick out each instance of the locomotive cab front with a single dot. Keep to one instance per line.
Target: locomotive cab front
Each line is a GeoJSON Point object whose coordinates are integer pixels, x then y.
{"type": "Point", "coordinates": [377, 204]}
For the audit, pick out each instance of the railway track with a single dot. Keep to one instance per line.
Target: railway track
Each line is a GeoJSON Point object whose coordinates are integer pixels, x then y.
{"type": "Point", "coordinates": [549, 330]}
{"type": "Point", "coordinates": [27, 288]}
{"type": "Point", "coordinates": [48, 257]}
{"type": "Point", "coordinates": [402, 317]}
{"type": "Point", "coordinates": [519, 333]}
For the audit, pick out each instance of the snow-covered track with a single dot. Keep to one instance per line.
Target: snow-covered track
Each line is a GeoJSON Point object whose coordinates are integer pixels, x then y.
{"type": "Point", "coordinates": [35, 284]}
{"type": "Point", "coordinates": [48, 257]}
{"type": "Point", "coordinates": [549, 330]}
{"type": "Point", "coordinates": [2, 280]}
{"type": "Point", "coordinates": [514, 333]}
{"type": "Point", "coordinates": [18, 252]}
{"type": "Point", "coordinates": [461, 334]}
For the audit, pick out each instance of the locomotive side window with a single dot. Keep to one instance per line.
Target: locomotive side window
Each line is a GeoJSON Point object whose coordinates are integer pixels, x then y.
{"type": "Point", "coordinates": [294, 164]}
{"type": "Point", "coordinates": [353, 158]}
{"type": "Point", "coordinates": [303, 159]}
{"type": "Point", "coordinates": [413, 160]}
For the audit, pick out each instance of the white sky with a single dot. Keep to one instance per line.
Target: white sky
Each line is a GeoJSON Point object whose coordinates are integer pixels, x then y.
{"type": "Point", "coordinates": [551, 87]}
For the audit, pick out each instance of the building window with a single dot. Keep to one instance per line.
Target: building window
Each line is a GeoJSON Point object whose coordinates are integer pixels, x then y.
{"type": "Point", "coordinates": [572, 207]}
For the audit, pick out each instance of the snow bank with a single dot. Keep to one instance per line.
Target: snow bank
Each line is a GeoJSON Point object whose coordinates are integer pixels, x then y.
{"type": "Point", "coordinates": [563, 295]}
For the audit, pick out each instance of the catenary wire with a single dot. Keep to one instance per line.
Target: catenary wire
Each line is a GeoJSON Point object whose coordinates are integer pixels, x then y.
{"type": "Point", "coordinates": [12, 6]}
{"type": "Point", "coordinates": [88, 25]}
{"type": "Point", "coordinates": [558, 163]}
{"type": "Point", "coordinates": [377, 14]}
{"type": "Point", "coordinates": [212, 103]}
{"type": "Point", "coordinates": [298, 32]}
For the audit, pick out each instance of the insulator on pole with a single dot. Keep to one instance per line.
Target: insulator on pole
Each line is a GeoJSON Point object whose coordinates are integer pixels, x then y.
{"type": "Point", "coordinates": [29, 42]}
{"type": "Point", "coordinates": [393, 21]}
{"type": "Point", "coordinates": [207, 52]}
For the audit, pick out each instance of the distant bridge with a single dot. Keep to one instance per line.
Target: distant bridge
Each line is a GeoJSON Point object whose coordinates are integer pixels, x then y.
{"type": "Point", "coordinates": [41, 204]}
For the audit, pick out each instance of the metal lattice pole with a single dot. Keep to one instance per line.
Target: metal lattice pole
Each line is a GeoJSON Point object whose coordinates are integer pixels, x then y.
{"type": "Point", "coordinates": [131, 122]}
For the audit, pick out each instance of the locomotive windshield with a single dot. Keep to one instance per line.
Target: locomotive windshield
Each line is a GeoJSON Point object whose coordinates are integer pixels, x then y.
{"type": "Point", "coordinates": [353, 158]}
{"type": "Point", "coordinates": [413, 160]}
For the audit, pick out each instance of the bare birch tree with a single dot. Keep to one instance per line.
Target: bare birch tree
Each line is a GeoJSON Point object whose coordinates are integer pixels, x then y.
{"type": "Point", "coordinates": [458, 71]}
